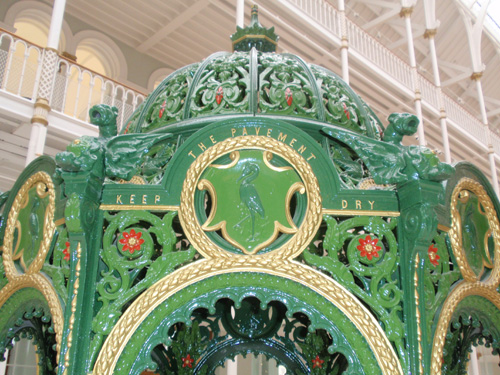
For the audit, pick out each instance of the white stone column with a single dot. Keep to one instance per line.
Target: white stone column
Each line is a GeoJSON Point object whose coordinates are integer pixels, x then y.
{"type": "Point", "coordinates": [42, 108]}
{"type": "Point", "coordinates": [344, 47]}
{"type": "Point", "coordinates": [240, 13]}
{"type": "Point", "coordinates": [474, 33]}
{"type": "Point", "coordinates": [431, 29]}
{"type": "Point", "coordinates": [406, 12]}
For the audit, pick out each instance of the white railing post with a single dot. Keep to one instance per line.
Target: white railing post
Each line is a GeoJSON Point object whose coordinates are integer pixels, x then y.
{"type": "Point", "coordinates": [406, 11]}
{"type": "Point", "coordinates": [344, 48]}
{"type": "Point", "coordinates": [23, 69]}
{"type": "Point", "coordinates": [44, 93]}
{"type": "Point", "coordinates": [77, 98]}
{"type": "Point", "coordinates": [89, 101]}
{"type": "Point", "coordinates": [12, 52]}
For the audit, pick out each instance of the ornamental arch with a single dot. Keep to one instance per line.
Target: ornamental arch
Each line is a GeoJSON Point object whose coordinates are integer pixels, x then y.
{"type": "Point", "coordinates": [253, 203]}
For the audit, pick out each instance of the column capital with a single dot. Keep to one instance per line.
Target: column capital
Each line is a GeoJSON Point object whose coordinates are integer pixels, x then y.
{"type": "Point", "coordinates": [476, 76]}
{"type": "Point", "coordinates": [430, 33]}
{"type": "Point", "coordinates": [418, 95]}
{"type": "Point", "coordinates": [40, 113]}
{"type": "Point", "coordinates": [406, 11]}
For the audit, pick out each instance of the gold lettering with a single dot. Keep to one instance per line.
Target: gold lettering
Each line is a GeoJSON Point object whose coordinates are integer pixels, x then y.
{"type": "Point", "coordinates": [257, 130]}
{"type": "Point", "coordinates": [371, 204]}
{"type": "Point", "coordinates": [269, 132]}
{"type": "Point", "coordinates": [311, 157]}
{"type": "Point", "coordinates": [144, 199]}
{"type": "Point", "coordinates": [358, 205]}
{"type": "Point", "coordinates": [202, 146]}
{"type": "Point", "coordinates": [344, 203]}
{"type": "Point", "coordinates": [191, 153]}
{"type": "Point", "coordinates": [233, 131]}
{"type": "Point", "coordinates": [292, 142]}
{"type": "Point", "coordinates": [157, 198]}
{"type": "Point", "coordinates": [302, 149]}
{"type": "Point", "coordinates": [282, 137]}
{"type": "Point", "coordinates": [132, 196]}
{"type": "Point", "coordinates": [212, 139]}
{"type": "Point", "coordinates": [244, 131]}
{"type": "Point", "coordinates": [119, 199]}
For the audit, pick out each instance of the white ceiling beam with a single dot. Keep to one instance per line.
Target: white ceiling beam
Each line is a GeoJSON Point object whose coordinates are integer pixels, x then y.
{"type": "Point", "coordinates": [455, 67]}
{"type": "Point", "coordinates": [171, 26]}
{"type": "Point", "coordinates": [383, 4]}
{"type": "Point", "coordinates": [403, 41]}
{"type": "Point", "coordinates": [456, 79]}
{"type": "Point", "coordinates": [494, 112]}
{"type": "Point", "coordinates": [381, 19]}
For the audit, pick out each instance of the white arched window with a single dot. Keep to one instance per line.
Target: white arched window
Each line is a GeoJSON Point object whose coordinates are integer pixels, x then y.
{"type": "Point", "coordinates": [31, 19]}
{"type": "Point", "coordinates": [100, 53]}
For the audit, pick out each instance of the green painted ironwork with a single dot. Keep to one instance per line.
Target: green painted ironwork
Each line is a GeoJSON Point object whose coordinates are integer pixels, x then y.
{"type": "Point", "coordinates": [253, 204]}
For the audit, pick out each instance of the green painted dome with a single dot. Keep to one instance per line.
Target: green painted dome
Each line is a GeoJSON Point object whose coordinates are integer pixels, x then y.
{"type": "Point", "coordinates": [255, 83]}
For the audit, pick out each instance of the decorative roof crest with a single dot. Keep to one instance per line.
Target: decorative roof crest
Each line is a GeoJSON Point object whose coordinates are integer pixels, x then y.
{"type": "Point", "coordinates": [255, 35]}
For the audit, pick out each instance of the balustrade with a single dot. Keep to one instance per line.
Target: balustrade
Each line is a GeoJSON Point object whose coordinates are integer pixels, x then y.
{"type": "Point", "coordinates": [75, 88]}
{"type": "Point", "coordinates": [383, 58]}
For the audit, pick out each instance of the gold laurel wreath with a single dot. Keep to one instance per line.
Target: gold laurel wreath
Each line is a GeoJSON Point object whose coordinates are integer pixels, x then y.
{"type": "Point", "coordinates": [187, 215]}
{"type": "Point", "coordinates": [146, 303]}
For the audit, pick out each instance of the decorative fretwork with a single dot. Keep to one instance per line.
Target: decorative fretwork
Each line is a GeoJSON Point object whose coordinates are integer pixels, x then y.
{"type": "Point", "coordinates": [361, 253]}
{"type": "Point", "coordinates": [337, 96]}
{"type": "Point", "coordinates": [166, 103]}
{"type": "Point", "coordinates": [466, 330]}
{"type": "Point", "coordinates": [29, 318]}
{"type": "Point", "coordinates": [222, 87]}
{"type": "Point", "coordinates": [212, 337]}
{"type": "Point", "coordinates": [139, 248]}
{"type": "Point", "coordinates": [57, 263]}
{"type": "Point", "coordinates": [440, 273]}
{"type": "Point", "coordinates": [285, 88]}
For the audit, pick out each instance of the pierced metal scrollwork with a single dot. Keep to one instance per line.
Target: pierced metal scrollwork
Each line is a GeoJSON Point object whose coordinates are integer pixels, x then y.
{"type": "Point", "coordinates": [213, 336]}
{"type": "Point", "coordinates": [361, 253]}
{"type": "Point", "coordinates": [139, 248]}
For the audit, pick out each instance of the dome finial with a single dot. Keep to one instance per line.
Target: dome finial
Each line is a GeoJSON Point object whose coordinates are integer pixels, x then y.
{"type": "Point", "coordinates": [255, 35]}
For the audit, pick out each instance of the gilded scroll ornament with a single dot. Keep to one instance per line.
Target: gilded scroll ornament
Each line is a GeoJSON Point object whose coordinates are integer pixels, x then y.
{"type": "Point", "coordinates": [456, 235]}
{"type": "Point", "coordinates": [42, 182]}
{"type": "Point", "coordinates": [32, 278]}
{"type": "Point", "coordinates": [472, 285]}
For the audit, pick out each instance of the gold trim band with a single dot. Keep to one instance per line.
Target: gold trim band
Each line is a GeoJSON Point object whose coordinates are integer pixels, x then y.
{"type": "Point", "coordinates": [255, 37]}
{"type": "Point", "coordinates": [443, 228]}
{"type": "Point", "coordinates": [327, 211]}
{"type": "Point", "coordinates": [328, 288]}
{"type": "Point", "coordinates": [130, 207]}
{"type": "Point", "coordinates": [59, 222]}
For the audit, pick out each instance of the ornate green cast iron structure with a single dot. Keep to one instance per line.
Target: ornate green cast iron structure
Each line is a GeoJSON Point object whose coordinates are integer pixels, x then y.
{"type": "Point", "coordinates": [253, 204]}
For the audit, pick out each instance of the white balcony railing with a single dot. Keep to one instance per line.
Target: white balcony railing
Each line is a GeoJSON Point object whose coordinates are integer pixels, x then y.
{"type": "Point", "coordinates": [75, 88]}
{"type": "Point", "coordinates": [368, 47]}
